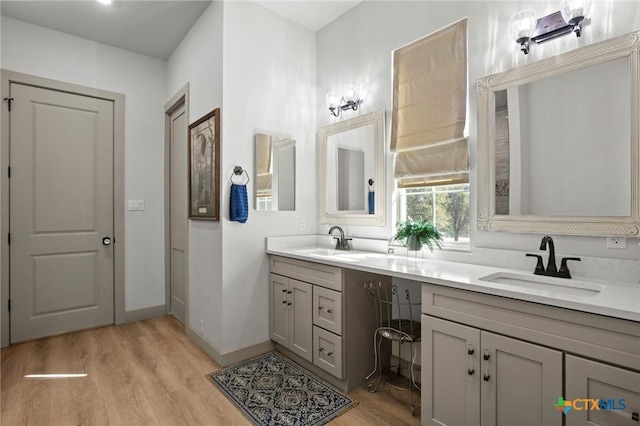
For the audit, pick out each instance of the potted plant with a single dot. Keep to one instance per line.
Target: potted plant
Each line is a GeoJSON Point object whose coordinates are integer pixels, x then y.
{"type": "Point", "coordinates": [418, 233]}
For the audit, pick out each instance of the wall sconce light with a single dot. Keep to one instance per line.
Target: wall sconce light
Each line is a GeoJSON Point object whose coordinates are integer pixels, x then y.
{"type": "Point", "coordinates": [350, 99]}
{"type": "Point", "coordinates": [526, 27]}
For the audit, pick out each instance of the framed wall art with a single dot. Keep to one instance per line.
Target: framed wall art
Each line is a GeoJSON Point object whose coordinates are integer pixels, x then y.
{"type": "Point", "coordinates": [204, 167]}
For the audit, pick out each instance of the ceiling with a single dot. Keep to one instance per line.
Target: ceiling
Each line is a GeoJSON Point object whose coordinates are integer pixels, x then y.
{"type": "Point", "coordinates": [152, 28]}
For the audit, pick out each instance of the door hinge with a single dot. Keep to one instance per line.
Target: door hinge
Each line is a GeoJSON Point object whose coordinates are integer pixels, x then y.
{"type": "Point", "coordinates": [9, 100]}
{"type": "Point", "coordinates": [9, 305]}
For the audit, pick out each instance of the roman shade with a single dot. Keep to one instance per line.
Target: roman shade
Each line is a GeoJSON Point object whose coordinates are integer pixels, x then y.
{"type": "Point", "coordinates": [263, 166]}
{"type": "Point", "coordinates": [429, 109]}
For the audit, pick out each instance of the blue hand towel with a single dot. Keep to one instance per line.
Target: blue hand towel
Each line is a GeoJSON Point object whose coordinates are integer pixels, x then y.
{"type": "Point", "coordinates": [372, 203]}
{"type": "Point", "coordinates": [239, 206]}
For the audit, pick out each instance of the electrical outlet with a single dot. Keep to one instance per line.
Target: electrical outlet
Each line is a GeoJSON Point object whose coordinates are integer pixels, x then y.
{"type": "Point", "coordinates": [302, 224]}
{"type": "Point", "coordinates": [616, 242]}
{"type": "Point", "coordinates": [136, 205]}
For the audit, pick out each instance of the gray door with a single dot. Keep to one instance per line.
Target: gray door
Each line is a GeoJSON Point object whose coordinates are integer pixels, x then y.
{"type": "Point", "coordinates": [450, 373]}
{"type": "Point", "coordinates": [520, 383]}
{"type": "Point", "coordinates": [61, 209]}
{"type": "Point", "coordinates": [179, 202]}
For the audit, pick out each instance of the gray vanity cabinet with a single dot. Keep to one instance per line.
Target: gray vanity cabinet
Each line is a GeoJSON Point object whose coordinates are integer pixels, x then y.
{"type": "Point", "coordinates": [490, 360]}
{"type": "Point", "coordinates": [590, 379]}
{"type": "Point", "coordinates": [473, 377]}
{"type": "Point", "coordinates": [289, 320]}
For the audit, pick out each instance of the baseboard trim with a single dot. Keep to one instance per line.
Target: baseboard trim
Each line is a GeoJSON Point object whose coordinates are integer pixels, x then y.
{"type": "Point", "coordinates": [229, 358]}
{"type": "Point", "coordinates": [144, 313]}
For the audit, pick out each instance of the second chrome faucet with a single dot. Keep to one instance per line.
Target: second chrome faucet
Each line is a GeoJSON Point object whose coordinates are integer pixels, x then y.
{"type": "Point", "coordinates": [551, 269]}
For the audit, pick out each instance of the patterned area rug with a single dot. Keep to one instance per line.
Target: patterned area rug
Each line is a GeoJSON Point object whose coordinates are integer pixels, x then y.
{"type": "Point", "coordinates": [271, 390]}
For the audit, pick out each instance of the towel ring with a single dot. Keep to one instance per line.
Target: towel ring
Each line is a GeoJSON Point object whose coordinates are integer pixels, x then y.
{"type": "Point", "coordinates": [238, 171]}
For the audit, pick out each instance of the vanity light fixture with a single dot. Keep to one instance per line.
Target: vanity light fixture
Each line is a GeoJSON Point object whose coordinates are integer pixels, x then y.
{"type": "Point", "coordinates": [349, 99]}
{"type": "Point", "coordinates": [526, 27]}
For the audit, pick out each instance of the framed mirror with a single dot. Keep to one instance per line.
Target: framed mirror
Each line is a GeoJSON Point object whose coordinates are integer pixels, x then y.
{"type": "Point", "coordinates": [559, 144]}
{"type": "Point", "coordinates": [275, 174]}
{"type": "Point", "coordinates": [351, 171]}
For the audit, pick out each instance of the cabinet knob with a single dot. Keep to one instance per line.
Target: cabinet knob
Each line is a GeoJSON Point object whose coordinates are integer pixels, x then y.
{"type": "Point", "coordinates": [329, 353]}
{"type": "Point", "coordinates": [288, 291]}
{"type": "Point", "coordinates": [329, 311]}
{"type": "Point", "coordinates": [289, 303]}
{"type": "Point", "coordinates": [284, 302]}
{"type": "Point", "coordinates": [486, 377]}
{"type": "Point", "coordinates": [471, 371]}
{"type": "Point", "coordinates": [486, 356]}
{"type": "Point", "coordinates": [471, 351]}
{"type": "Point", "coordinates": [284, 291]}
{"type": "Point", "coordinates": [320, 308]}
{"type": "Point", "coordinates": [321, 350]}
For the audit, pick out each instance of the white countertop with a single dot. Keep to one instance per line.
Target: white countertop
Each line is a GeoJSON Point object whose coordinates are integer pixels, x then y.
{"type": "Point", "coordinates": [618, 300]}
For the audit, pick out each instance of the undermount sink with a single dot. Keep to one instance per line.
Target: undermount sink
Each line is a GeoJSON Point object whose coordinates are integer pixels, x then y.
{"type": "Point", "coordinates": [554, 285]}
{"type": "Point", "coordinates": [341, 255]}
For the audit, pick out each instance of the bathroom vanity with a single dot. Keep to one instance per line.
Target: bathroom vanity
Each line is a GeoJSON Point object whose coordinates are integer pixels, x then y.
{"type": "Point", "coordinates": [494, 351]}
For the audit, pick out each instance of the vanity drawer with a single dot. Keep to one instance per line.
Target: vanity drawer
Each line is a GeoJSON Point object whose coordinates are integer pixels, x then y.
{"type": "Point", "coordinates": [327, 309]}
{"type": "Point", "coordinates": [327, 351]}
{"type": "Point", "coordinates": [314, 273]}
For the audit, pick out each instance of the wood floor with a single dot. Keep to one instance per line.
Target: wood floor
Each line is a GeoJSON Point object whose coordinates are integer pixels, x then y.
{"type": "Point", "coordinates": [144, 373]}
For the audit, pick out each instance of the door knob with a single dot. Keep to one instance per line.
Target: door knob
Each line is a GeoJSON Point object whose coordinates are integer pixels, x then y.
{"type": "Point", "coordinates": [106, 241]}
{"type": "Point", "coordinates": [486, 377]}
{"type": "Point", "coordinates": [471, 371]}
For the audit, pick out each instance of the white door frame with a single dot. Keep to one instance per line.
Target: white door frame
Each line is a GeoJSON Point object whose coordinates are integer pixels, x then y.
{"type": "Point", "coordinates": [179, 99]}
{"type": "Point", "coordinates": [8, 77]}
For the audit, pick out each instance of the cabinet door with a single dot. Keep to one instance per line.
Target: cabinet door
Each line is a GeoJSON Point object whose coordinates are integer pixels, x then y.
{"type": "Point", "coordinates": [450, 373]}
{"type": "Point", "coordinates": [300, 327]}
{"type": "Point", "coordinates": [593, 380]}
{"type": "Point", "coordinates": [278, 309]}
{"type": "Point", "coordinates": [520, 382]}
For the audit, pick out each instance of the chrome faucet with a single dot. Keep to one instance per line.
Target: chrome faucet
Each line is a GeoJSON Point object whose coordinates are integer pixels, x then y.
{"type": "Point", "coordinates": [551, 269]}
{"type": "Point", "coordinates": [342, 243]}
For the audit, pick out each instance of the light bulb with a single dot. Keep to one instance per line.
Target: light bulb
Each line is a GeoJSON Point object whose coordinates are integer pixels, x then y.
{"type": "Point", "coordinates": [350, 93]}
{"type": "Point", "coordinates": [575, 11]}
{"type": "Point", "coordinates": [523, 24]}
{"type": "Point", "coordinates": [333, 100]}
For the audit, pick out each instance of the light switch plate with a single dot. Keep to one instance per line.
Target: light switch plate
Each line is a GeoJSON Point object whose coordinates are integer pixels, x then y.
{"type": "Point", "coordinates": [136, 205]}
{"type": "Point", "coordinates": [616, 242]}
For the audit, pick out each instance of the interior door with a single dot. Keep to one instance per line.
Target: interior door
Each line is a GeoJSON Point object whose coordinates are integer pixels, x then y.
{"type": "Point", "coordinates": [61, 212]}
{"type": "Point", "coordinates": [179, 203]}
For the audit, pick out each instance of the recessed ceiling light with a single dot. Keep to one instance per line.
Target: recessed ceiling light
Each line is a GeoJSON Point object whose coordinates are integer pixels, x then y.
{"type": "Point", "coordinates": [104, 1]}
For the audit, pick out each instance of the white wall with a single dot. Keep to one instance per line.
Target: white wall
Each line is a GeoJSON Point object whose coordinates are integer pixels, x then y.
{"type": "Point", "coordinates": [269, 87]}
{"type": "Point", "coordinates": [356, 48]}
{"type": "Point", "coordinates": [45, 53]}
{"type": "Point", "coordinates": [198, 61]}
{"type": "Point", "coordinates": [259, 68]}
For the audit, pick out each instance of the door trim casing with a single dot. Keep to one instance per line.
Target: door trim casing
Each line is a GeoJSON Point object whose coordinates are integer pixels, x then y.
{"type": "Point", "coordinates": [179, 99]}
{"type": "Point", "coordinates": [7, 77]}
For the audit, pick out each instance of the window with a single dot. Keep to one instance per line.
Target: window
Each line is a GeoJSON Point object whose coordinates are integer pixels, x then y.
{"type": "Point", "coordinates": [428, 138]}
{"type": "Point", "coordinates": [445, 207]}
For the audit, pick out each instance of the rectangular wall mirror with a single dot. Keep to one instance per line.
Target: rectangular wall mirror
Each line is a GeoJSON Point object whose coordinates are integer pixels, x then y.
{"type": "Point", "coordinates": [275, 174]}
{"type": "Point", "coordinates": [350, 156]}
{"type": "Point", "coordinates": [558, 144]}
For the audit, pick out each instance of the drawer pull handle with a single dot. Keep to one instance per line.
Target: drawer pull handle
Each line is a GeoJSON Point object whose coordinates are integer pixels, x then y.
{"type": "Point", "coordinates": [284, 291]}
{"type": "Point", "coordinates": [289, 303]}
{"type": "Point", "coordinates": [635, 417]}
{"type": "Point", "coordinates": [284, 302]}
{"type": "Point", "coordinates": [471, 371]}
{"type": "Point", "coordinates": [321, 350]}
{"type": "Point", "coordinates": [320, 308]}
{"type": "Point", "coordinates": [471, 351]}
{"type": "Point", "coordinates": [288, 291]}
{"type": "Point", "coordinates": [486, 377]}
{"type": "Point", "coordinates": [330, 354]}
{"type": "Point", "coordinates": [486, 357]}
{"type": "Point", "coordinates": [329, 311]}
